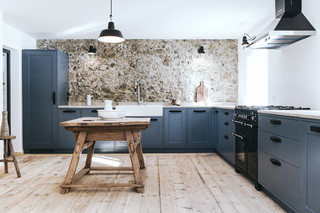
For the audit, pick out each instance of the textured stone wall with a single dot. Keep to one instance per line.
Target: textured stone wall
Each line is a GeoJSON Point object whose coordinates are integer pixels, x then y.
{"type": "Point", "coordinates": [166, 69]}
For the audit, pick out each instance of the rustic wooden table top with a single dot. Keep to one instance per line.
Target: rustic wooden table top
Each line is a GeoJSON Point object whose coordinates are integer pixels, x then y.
{"type": "Point", "coordinates": [94, 121]}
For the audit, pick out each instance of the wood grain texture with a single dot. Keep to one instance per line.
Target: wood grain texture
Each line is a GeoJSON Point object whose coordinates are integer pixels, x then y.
{"type": "Point", "coordinates": [174, 183]}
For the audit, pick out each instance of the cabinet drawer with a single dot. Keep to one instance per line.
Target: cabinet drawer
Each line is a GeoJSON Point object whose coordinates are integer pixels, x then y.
{"type": "Point", "coordinates": [284, 148]}
{"type": "Point", "coordinates": [227, 125]}
{"type": "Point", "coordinates": [226, 114]}
{"type": "Point", "coordinates": [280, 126]}
{"type": "Point", "coordinates": [280, 178]}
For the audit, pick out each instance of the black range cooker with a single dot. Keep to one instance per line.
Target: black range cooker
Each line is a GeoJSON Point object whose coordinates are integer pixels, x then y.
{"type": "Point", "coordinates": [246, 138]}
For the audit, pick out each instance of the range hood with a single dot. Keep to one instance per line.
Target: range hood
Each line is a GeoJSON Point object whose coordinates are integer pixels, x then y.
{"type": "Point", "coordinates": [289, 27]}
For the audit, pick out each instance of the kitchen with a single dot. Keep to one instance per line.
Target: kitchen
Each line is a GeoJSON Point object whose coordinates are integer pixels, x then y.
{"type": "Point", "coordinates": [169, 69]}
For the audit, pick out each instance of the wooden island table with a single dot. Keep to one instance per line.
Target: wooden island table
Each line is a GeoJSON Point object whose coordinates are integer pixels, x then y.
{"type": "Point", "coordinates": [87, 131]}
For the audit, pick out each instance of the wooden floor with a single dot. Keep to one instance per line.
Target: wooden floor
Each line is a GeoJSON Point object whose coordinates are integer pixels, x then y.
{"type": "Point", "coordinates": [175, 183]}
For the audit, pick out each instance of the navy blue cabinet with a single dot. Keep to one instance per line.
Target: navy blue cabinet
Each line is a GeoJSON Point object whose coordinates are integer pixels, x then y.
{"type": "Point", "coordinates": [45, 86]}
{"type": "Point", "coordinates": [152, 136]}
{"type": "Point", "coordinates": [310, 168]}
{"type": "Point", "coordinates": [278, 157]}
{"type": "Point", "coordinates": [175, 133]}
{"type": "Point", "coordinates": [66, 140]}
{"type": "Point", "coordinates": [199, 128]}
{"type": "Point", "coordinates": [215, 129]}
{"type": "Point", "coordinates": [225, 142]}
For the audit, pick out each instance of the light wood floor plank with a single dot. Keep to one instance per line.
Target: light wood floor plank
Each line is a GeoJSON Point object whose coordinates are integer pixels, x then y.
{"type": "Point", "coordinates": [175, 183]}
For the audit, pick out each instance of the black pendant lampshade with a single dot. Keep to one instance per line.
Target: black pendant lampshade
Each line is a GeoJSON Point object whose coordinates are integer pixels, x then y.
{"type": "Point", "coordinates": [245, 42]}
{"type": "Point", "coordinates": [92, 50]}
{"type": "Point", "coordinates": [111, 35]}
{"type": "Point", "coordinates": [201, 50]}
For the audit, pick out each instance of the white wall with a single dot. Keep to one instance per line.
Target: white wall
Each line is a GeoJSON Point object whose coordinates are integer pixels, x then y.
{"type": "Point", "coordinates": [1, 76]}
{"type": "Point", "coordinates": [15, 41]}
{"type": "Point", "coordinates": [294, 71]}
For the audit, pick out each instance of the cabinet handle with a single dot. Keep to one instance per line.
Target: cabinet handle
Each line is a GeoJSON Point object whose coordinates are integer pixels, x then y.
{"type": "Point", "coordinates": [226, 113]}
{"type": "Point", "coordinates": [275, 122]}
{"type": "Point", "coordinates": [94, 111]}
{"type": "Point", "coordinates": [69, 111]}
{"type": "Point", "coordinates": [175, 111]}
{"type": "Point", "coordinates": [275, 162]}
{"type": "Point", "coordinates": [275, 139]}
{"type": "Point", "coordinates": [54, 98]}
{"type": "Point", "coordinates": [154, 119]}
{"type": "Point", "coordinates": [226, 137]}
{"type": "Point", "coordinates": [238, 136]}
{"type": "Point", "coordinates": [226, 123]}
{"type": "Point", "coordinates": [315, 129]}
{"type": "Point", "coordinates": [216, 111]}
{"type": "Point", "coordinates": [199, 110]}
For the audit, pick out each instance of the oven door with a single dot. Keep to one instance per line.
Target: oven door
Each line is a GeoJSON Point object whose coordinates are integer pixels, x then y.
{"type": "Point", "coordinates": [241, 158]}
{"type": "Point", "coordinates": [246, 149]}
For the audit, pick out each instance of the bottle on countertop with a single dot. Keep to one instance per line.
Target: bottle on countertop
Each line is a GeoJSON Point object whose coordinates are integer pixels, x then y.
{"type": "Point", "coordinates": [89, 100]}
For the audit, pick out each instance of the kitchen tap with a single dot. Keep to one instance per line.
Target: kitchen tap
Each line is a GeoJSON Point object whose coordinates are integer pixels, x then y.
{"type": "Point", "coordinates": [137, 90]}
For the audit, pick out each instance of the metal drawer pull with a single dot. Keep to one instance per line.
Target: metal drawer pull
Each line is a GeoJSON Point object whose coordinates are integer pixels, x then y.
{"type": "Point", "coordinates": [275, 139]}
{"type": "Point", "coordinates": [216, 111]}
{"type": "Point", "coordinates": [249, 125]}
{"type": "Point", "coordinates": [94, 111]}
{"type": "Point", "coordinates": [275, 122]}
{"type": "Point", "coordinates": [275, 162]}
{"type": "Point", "coordinates": [175, 111]}
{"type": "Point", "coordinates": [315, 129]}
{"type": "Point", "coordinates": [226, 137]}
{"type": "Point", "coordinates": [237, 122]}
{"type": "Point", "coordinates": [154, 119]}
{"type": "Point", "coordinates": [226, 113]}
{"type": "Point", "coordinates": [238, 136]}
{"type": "Point", "coordinates": [199, 110]}
{"type": "Point", "coordinates": [226, 123]}
{"type": "Point", "coordinates": [69, 111]}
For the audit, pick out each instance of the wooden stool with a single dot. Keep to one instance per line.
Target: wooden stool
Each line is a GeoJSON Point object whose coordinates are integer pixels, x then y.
{"type": "Point", "coordinates": [7, 141]}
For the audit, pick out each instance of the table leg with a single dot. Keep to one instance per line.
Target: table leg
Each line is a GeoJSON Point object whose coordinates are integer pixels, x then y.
{"type": "Point", "coordinates": [5, 156]}
{"type": "Point", "coordinates": [89, 155]}
{"type": "Point", "coordinates": [134, 160]}
{"type": "Point", "coordinates": [74, 161]}
{"type": "Point", "coordinates": [14, 158]}
{"type": "Point", "coordinates": [137, 137]}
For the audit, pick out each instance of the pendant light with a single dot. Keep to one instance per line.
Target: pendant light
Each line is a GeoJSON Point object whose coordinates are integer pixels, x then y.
{"type": "Point", "coordinates": [111, 35]}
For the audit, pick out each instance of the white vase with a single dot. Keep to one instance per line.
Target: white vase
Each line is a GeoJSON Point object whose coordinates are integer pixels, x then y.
{"type": "Point", "coordinates": [108, 105]}
{"type": "Point", "coordinates": [4, 124]}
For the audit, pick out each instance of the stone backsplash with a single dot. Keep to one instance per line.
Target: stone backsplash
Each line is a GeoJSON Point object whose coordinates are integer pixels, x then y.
{"type": "Point", "coordinates": [166, 69]}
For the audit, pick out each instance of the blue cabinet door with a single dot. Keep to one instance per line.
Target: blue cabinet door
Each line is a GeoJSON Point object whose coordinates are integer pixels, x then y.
{"type": "Point", "coordinates": [216, 130]}
{"type": "Point", "coordinates": [101, 146]}
{"type": "Point", "coordinates": [175, 127]}
{"type": "Point", "coordinates": [199, 128]}
{"type": "Point", "coordinates": [152, 136]}
{"type": "Point", "coordinates": [66, 140]}
{"type": "Point", "coordinates": [42, 93]}
{"type": "Point", "coordinates": [310, 168]}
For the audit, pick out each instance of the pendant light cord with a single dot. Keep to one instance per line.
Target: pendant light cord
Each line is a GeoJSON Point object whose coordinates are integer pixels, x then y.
{"type": "Point", "coordinates": [110, 10]}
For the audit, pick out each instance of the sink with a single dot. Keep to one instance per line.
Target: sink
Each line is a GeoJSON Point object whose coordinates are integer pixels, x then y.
{"type": "Point", "coordinates": [141, 110]}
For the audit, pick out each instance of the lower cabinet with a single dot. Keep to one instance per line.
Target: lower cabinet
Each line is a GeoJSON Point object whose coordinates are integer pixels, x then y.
{"type": "Point", "coordinates": [152, 137]}
{"type": "Point", "coordinates": [199, 128]}
{"type": "Point", "coordinates": [66, 140]}
{"type": "Point", "coordinates": [225, 141]}
{"type": "Point", "coordinates": [310, 168]}
{"type": "Point", "coordinates": [175, 128]}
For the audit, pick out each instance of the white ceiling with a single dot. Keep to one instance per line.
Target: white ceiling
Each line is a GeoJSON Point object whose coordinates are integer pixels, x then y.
{"type": "Point", "coordinates": [136, 19]}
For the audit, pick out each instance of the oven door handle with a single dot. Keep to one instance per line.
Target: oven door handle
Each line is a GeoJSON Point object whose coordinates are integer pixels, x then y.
{"type": "Point", "coordinates": [249, 125]}
{"type": "Point", "coordinates": [237, 122]}
{"type": "Point", "coordinates": [238, 136]}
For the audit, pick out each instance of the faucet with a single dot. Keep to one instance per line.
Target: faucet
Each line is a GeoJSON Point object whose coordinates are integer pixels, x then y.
{"type": "Point", "coordinates": [137, 90]}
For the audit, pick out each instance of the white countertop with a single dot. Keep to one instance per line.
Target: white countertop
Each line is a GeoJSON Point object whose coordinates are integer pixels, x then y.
{"type": "Point", "coordinates": [312, 114]}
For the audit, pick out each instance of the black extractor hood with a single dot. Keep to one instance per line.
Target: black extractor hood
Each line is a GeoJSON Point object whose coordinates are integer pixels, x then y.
{"type": "Point", "coordinates": [289, 26]}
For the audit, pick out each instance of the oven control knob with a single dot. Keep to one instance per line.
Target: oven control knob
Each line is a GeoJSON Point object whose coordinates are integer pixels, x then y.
{"type": "Point", "coordinates": [253, 117]}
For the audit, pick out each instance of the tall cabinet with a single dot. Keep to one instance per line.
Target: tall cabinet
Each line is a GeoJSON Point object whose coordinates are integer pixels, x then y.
{"type": "Point", "coordinates": [45, 76]}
